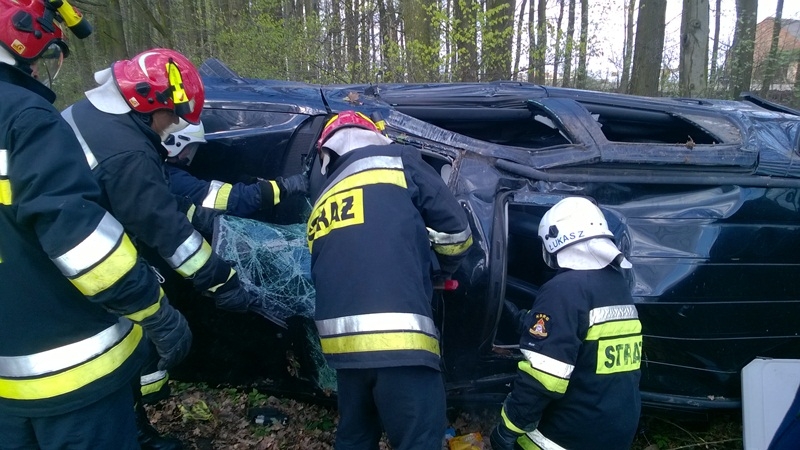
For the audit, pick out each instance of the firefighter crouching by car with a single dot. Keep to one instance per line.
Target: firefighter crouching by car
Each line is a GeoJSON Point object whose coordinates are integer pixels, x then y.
{"type": "Point", "coordinates": [578, 387]}
{"type": "Point", "coordinates": [121, 125]}
{"type": "Point", "coordinates": [237, 199]}
{"type": "Point", "coordinates": [75, 295]}
{"type": "Point", "coordinates": [371, 265]}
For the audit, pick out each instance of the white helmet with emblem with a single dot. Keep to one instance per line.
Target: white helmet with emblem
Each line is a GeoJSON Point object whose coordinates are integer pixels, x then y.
{"type": "Point", "coordinates": [575, 235]}
{"type": "Point", "coordinates": [178, 141]}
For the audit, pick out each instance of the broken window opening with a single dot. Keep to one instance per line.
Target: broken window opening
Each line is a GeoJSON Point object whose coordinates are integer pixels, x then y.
{"type": "Point", "coordinates": [515, 128]}
{"type": "Point", "coordinates": [624, 124]}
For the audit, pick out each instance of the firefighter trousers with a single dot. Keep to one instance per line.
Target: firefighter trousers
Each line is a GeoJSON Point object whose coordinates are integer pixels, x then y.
{"type": "Point", "coordinates": [406, 402]}
{"type": "Point", "coordinates": [108, 423]}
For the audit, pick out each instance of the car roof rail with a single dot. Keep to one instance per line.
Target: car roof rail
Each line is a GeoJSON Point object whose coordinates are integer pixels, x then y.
{"type": "Point", "coordinates": [767, 104]}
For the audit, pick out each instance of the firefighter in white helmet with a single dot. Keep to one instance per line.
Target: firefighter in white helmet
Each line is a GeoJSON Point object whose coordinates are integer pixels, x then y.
{"type": "Point", "coordinates": [237, 199]}
{"type": "Point", "coordinates": [578, 386]}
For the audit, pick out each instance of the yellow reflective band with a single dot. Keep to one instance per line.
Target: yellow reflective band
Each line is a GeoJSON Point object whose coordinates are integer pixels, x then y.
{"type": "Point", "coordinates": [452, 249]}
{"type": "Point", "coordinates": [509, 423]}
{"type": "Point", "coordinates": [527, 444]}
{"type": "Point", "coordinates": [5, 192]}
{"type": "Point", "coordinates": [379, 342]}
{"type": "Point", "coordinates": [612, 329]}
{"type": "Point", "coordinates": [366, 178]}
{"type": "Point", "coordinates": [619, 355]}
{"type": "Point", "coordinates": [198, 260]}
{"type": "Point", "coordinates": [337, 211]}
{"type": "Point", "coordinates": [109, 270]}
{"type": "Point", "coordinates": [152, 388]}
{"type": "Point", "coordinates": [140, 315]}
{"type": "Point", "coordinates": [230, 275]}
{"type": "Point", "coordinates": [75, 378]}
{"type": "Point", "coordinates": [276, 192]}
{"type": "Point", "coordinates": [224, 193]}
{"type": "Point", "coordinates": [190, 212]}
{"type": "Point", "coordinates": [550, 382]}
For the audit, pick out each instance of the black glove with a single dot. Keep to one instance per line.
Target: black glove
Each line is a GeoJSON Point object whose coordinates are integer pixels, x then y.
{"type": "Point", "coordinates": [513, 316]}
{"type": "Point", "coordinates": [293, 185]}
{"type": "Point", "coordinates": [202, 218]}
{"type": "Point", "coordinates": [234, 298]}
{"type": "Point", "coordinates": [502, 438]}
{"type": "Point", "coordinates": [170, 333]}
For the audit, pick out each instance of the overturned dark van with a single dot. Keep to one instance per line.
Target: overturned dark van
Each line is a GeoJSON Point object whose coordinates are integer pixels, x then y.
{"type": "Point", "coordinates": [703, 197]}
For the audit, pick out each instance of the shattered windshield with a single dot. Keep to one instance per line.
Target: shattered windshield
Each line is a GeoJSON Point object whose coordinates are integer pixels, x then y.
{"type": "Point", "coordinates": [273, 262]}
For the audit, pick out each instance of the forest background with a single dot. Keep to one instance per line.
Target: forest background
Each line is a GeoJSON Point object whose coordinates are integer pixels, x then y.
{"type": "Point", "coordinates": [688, 48]}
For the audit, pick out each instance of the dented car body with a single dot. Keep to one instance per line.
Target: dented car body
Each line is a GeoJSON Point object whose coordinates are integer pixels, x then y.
{"type": "Point", "coordinates": [703, 196]}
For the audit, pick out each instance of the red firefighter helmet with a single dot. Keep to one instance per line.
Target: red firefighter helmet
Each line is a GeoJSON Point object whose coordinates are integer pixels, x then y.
{"type": "Point", "coordinates": [343, 120]}
{"type": "Point", "coordinates": [161, 79]}
{"type": "Point", "coordinates": [29, 27]}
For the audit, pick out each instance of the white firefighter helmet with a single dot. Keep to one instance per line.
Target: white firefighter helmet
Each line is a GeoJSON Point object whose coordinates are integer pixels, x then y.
{"type": "Point", "coordinates": [575, 235]}
{"type": "Point", "coordinates": [179, 140]}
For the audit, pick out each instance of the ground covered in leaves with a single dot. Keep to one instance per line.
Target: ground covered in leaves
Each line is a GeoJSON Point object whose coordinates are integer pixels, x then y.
{"type": "Point", "coordinates": [217, 418]}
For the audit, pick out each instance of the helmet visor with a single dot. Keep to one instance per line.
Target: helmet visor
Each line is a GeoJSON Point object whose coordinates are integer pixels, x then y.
{"type": "Point", "coordinates": [46, 67]}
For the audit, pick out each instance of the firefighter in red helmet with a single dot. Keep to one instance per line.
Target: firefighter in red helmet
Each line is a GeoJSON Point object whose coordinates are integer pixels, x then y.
{"type": "Point", "coordinates": [380, 213]}
{"type": "Point", "coordinates": [121, 125]}
{"type": "Point", "coordinates": [77, 301]}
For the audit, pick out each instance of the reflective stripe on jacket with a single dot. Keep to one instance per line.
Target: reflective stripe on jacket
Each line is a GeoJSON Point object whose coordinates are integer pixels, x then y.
{"type": "Point", "coordinates": [582, 345]}
{"type": "Point", "coordinates": [237, 199]}
{"type": "Point", "coordinates": [64, 264]}
{"type": "Point", "coordinates": [371, 257]}
{"type": "Point", "coordinates": [124, 153]}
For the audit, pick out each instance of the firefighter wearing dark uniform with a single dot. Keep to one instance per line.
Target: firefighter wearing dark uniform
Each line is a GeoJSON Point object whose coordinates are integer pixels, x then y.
{"type": "Point", "coordinates": [578, 387]}
{"type": "Point", "coordinates": [75, 295]}
{"type": "Point", "coordinates": [371, 266]}
{"type": "Point", "coordinates": [120, 126]}
{"type": "Point", "coordinates": [237, 199]}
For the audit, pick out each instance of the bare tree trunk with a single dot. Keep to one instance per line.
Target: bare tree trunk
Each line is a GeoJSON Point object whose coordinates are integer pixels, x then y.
{"type": "Point", "coordinates": [649, 47]}
{"type": "Point", "coordinates": [772, 59]}
{"type": "Point", "coordinates": [497, 39]}
{"type": "Point", "coordinates": [556, 49]}
{"type": "Point", "coordinates": [465, 40]}
{"type": "Point", "coordinates": [518, 51]}
{"type": "Point", "coordinates": [365, 48]}
{"type": "Point", "coordinates": [337, 52]}
{"type": "Point", "coordinates": [541, 42]}
{"type": "Point", "coordinates": [583, 45]}
{"type": "Point", "coordinates": [627, 55]}
{"type": "Point", "coordinates": [693, 65]}
{"type": "Point", "coordinates": [390, 46]}
{"type": "Point", "coordinates": [797, 82]}
{"type": "Point", "coordinates": [567, 79]}
{"type": "Point", "coordinates": [744, 37]}
{"type": "Point", "coordinates": [420, 37]}
{"type": "Point", "coordinates": [110, 22]}
{"type": "Point", "coordinates": [351, 38]}
{"type": "Point", "coordinates": [715, 49]}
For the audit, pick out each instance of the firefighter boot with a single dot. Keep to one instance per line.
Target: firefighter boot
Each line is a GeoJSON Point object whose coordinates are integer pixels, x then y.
{"type": "Point", "coordinates": [149, 438]}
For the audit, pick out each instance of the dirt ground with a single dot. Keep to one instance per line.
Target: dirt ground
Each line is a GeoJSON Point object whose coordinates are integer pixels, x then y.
{"type": "Point", "coordinates": [223, 418]}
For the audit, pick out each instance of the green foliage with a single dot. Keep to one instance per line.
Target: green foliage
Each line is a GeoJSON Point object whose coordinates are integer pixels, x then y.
{"type": "Point", "coordinates": [267, 46]}
{"type": "Point", "coordinates": [325, 422]}
{"type": "Point", "coordinates": [256, 398]}
{"type": "Point", "coordinates": [496, 42]}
